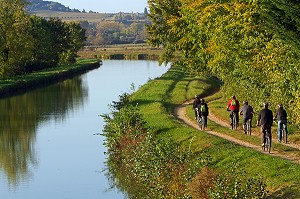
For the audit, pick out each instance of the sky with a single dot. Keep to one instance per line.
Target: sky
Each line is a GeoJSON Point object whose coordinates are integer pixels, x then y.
{"type": "Point", "coordinates": [106, 6]}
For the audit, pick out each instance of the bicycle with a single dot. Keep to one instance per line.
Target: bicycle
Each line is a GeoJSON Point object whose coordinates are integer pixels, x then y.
{"type": "Point", "coordinates": [267, 143]}
{"type": "Point", "coordinates": [200, 120]}
{"type": "Point", "coordinates": [283, 133]}
{"type": "Point", "coordinates": [248, 127]}
{"type": "Point", "coordinates": [233, 121]}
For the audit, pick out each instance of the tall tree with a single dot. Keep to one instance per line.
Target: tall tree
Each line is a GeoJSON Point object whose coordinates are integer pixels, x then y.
{"type": "Point", "coordinates": [75, 38]}
{"type": "Point", "coordinates": [15, 40]}
{"type": "Point", "coordinates": [44, 53]}
{"type": "Point", "coordinates": [164, 30]}
{"type": "Point", "coordinates": [253, 46]}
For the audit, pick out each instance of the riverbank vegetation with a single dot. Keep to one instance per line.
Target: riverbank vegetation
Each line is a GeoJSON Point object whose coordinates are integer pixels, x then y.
{"type": "Point", "coordinates": [252, 46]}
{"type": "Point", "coordinates": [30, 43]}
{"type": "Point", "coordinates": [154, 154]}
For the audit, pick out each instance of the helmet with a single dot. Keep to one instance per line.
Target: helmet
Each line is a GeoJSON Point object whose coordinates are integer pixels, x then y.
{"type": "Point", "coordinates": [266, 104]}
{"type": "Point", "coordinates": [233, 96]}
{"type": "Point", "coordinates": [202, 100]}
{"type": "Point", "coordinates": [245, 102]}
{"type": "Point", "coordinates": [280, 105]}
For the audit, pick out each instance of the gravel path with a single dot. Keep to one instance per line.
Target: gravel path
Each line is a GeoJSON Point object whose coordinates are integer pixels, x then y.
{"type": "Point", "coordinates": [180, 113]}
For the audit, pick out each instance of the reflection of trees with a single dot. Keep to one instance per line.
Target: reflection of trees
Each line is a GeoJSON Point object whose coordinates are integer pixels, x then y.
{"type": "Point", "coordinates": [20, 116]}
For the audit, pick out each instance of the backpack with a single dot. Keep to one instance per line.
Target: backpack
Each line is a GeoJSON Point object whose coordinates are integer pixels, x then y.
{"type": "Point", "coordinates": [233, 102]}
{"type": "Point", "coordinates": [202, 108]}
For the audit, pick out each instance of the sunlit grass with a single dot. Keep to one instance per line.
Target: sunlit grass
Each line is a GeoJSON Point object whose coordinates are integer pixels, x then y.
{"type": "Point", "coordinates": [159, 97]}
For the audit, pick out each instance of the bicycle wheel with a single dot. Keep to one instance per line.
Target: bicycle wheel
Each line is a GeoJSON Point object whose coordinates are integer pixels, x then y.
{"type": "Point", "coordinates": [268, 144]}
{"type": "Point", "coordinates": [234, 122]}
{"type": "Point", "coordinates": [202, 122]}
{"type": "Point", "coordinates": [248, 127]}
{"type": "Point", "coordinates": [284, 135]}
{"type": "Point", "coordinates": [199, 119]}
{"type": "Point", "coordinates": [250, 130]}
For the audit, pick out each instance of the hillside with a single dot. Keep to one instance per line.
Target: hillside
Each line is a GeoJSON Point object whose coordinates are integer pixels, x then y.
{"type": "Point", "coordinates": [35, 5]}
{"type": "Point", "coordinates": [48, 9]}
{"type": "Point", "coordinates": [72, 16]}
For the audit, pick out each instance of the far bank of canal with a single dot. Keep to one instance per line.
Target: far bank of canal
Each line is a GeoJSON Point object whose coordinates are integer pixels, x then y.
{"type": "Point", "coordinates": [44, 77]}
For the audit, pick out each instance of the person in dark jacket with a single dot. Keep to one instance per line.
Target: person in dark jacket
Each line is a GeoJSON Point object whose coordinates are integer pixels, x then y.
{"type": "Point", "coordinates": [281, 115]}
{"type": "Point", "coordinates": [265, 120]}
{"type": "Point", "coordinates": [247, 112]}
{"type": "Point", "coordinates": [203, 110]}
{"type": "Point", "coordinates": [195, 104]}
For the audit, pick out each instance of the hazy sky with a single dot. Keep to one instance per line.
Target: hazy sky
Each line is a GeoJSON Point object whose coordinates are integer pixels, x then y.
{"type": "Point", "coordinates": [106, 6]}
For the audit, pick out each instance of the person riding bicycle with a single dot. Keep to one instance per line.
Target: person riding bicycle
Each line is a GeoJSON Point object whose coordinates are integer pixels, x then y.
{"type": "Point", "coordinates": [203, 110]}
{"type": "Point", "coordinates": [195, 104]}
{"type": "Point", "coordinates": [247, 112]}
{"type": "Point", "coordinates": [282, 120]}
{"type": "Point", "coordinates": [265, 120]}
{"type": "Point", "coordinates": [233, 106]}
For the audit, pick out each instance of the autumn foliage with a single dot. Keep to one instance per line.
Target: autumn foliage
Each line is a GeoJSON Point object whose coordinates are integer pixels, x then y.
{"type": "Point", "coordinates": [252, 46]}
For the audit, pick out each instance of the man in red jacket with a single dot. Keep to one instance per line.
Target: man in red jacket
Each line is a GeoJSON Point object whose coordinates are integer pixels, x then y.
{"type": "Point", "coordinates": [234, 106]}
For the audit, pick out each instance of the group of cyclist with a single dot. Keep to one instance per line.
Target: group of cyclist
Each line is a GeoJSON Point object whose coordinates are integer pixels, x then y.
{"type": "Point", "coordinates": [265, 117]}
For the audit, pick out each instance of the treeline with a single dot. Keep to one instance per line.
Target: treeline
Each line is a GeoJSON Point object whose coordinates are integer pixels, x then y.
{"type": "Point", "coordinates": [120, 29]}
{"type": "Point", "coordinates": [252, 46]}
{"type": "Point", "coordinates": [29, 43]}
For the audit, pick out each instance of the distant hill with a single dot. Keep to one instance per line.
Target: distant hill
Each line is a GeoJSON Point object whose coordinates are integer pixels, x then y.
{"type": "Point", "coordinates": [36, 5]}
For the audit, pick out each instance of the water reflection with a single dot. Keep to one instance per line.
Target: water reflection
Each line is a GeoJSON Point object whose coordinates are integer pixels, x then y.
{"type": "Point", "coordinates": [21, 115]}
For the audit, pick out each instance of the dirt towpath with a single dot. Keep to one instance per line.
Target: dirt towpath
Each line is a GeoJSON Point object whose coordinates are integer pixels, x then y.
{"type": "Point", "coordinates": [180, 113]}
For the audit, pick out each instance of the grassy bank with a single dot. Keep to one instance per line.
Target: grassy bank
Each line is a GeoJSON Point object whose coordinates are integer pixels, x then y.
{"type": "Point", "coordinates": [157, 100]}
{"type": "Point", "coordinates": [36, 79]}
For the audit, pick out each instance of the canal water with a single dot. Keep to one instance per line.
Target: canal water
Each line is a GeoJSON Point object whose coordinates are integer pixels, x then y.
{"type": "Point", "coordinates": [49, 142]}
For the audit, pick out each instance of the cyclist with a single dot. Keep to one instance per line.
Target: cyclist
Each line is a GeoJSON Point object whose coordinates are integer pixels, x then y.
{"type": "Point", "coordinates": [202, 106]}
{"type": "Point", "coordinates": [233, 106]}
{"type": "Point", "coordinates": [195, 104]}
{"type": "Point", "coordinates": [265, 119]}
{"type": "Point", "coordinates": [282, 119]}
{"type": "Point", "coordinates": [247, 112]}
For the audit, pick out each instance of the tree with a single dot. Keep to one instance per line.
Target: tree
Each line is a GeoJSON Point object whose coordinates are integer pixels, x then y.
{"type": "Point", "coordinates": [44, 53]}
{"type": "Point", "coordinates": [166, 21]}
{"type": "Point", "coordinates": [15, 40]}
{"type": "Point", "coordinates": [253, 42]}
{"type": "Point", "coordinates": [110, 31]}
{"type": "Point", "coordinates": [75, 37]}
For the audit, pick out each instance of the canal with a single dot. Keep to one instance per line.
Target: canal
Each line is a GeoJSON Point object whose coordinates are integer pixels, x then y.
{"type": "Point", "coordinates": [50, 145]}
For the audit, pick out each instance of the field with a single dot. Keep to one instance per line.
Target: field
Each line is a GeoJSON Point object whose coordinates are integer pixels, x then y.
{"type": "Point", "coordinates": [126, 51]}
{"type": "Point", "coordinates": [73, 16]}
